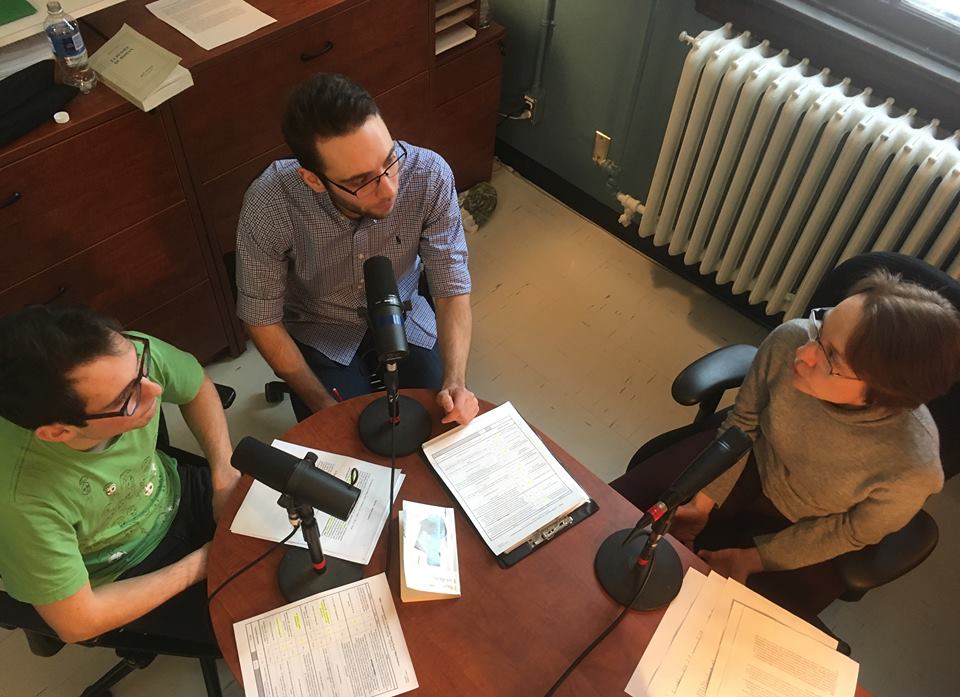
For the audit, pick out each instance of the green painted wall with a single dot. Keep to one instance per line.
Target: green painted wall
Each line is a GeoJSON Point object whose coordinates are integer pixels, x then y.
{"type": "Point", "coordinates": [612, 65]}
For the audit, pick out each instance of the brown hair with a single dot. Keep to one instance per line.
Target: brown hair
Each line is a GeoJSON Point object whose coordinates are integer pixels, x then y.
{"type": "Point", "coordinates": [906, 346]}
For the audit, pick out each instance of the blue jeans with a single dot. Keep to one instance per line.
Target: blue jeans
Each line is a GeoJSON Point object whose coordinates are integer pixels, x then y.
{"type": "Point", "coordinates": [422, 368]}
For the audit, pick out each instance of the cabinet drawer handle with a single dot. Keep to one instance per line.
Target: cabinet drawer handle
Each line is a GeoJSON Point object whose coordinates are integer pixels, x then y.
{"type": "Point", "coordinates": [310, 55]}
{"type": "Point", "coordinates": [56, 296]}
{"type": "Point", "coordinates": [11, 199]}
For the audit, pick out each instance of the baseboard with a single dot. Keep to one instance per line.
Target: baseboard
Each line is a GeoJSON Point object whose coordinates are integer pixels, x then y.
{"type": "Point", "coordinates": [605, 217]}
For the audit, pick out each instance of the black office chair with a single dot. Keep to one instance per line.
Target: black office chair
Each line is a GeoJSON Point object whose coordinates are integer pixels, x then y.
{"type": "Point", "coordinates": [135, 649]}
{"type": "Point", "coordinates": [704, 382]}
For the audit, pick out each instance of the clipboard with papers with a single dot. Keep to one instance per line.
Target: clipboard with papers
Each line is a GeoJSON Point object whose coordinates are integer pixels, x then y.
{"type": "Point", "coordinates": [509, 485]}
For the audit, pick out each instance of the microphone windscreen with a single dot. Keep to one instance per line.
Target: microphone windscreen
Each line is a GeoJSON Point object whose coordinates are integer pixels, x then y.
{"type": "Point", "coordinates": [264, 463]}
{"type": "Point", "coordinates": [379, 279]}
{"type": "Point", "coordinates": [719, 456]}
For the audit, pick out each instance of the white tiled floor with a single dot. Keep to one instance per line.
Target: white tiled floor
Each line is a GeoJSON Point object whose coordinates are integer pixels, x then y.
{"type": "Point", "coordinates": [584, 335]}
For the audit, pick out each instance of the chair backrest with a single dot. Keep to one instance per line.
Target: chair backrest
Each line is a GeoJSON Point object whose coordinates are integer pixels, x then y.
{"type": "Point", "coordinates": [833, 289]}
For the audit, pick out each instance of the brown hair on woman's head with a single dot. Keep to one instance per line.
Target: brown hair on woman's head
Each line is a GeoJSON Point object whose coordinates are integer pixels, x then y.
{"type": "Point", "coordinates": [906, 346]}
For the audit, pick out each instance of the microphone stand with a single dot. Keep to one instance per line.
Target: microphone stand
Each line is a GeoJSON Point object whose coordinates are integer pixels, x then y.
{"type": "Point", "coordinates": [305, 572]}
{"type": "Point", "coordinates": [382, 430]}
{"type": "Point", "coordinates": [624, 565]}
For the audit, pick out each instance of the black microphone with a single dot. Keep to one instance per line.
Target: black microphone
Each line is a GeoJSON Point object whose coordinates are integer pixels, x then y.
{"type": "Point", "coordinates": [719, 456]}
{"type": "Point", "coordinates": [296, 477]}
{"type": "Point", "coordinates": [384, 310]}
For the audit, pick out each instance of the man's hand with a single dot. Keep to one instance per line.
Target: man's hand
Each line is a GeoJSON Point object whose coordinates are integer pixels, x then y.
{"type": "Point", "coordinates": [737, 564]}
{"type": "Point", "coordinates": [459, 403]}
{"type": "Point", "coordinates": [224, 482]}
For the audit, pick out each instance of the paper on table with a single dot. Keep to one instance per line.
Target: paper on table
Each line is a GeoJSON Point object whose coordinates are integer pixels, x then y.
{"type": "Point", "coordinates": [343, 642]}
{"type": "Point", "coordinates": [354, 539]}
{"type": "Point", "coordinates": [211, 23]}
{"type": "Point", "coordinates": [509, 484]}
{"type": "Point", "coordinates": [673, 618]}
{"type": "Point", "coordinates": [666, 680]}
{"type": "Point", "coordinates": [769, 658]}
{"type": "Point", "coordinates": [738, 594]}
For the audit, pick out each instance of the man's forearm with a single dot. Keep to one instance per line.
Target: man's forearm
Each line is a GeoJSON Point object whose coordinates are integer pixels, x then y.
{"type": "Point", "coordinates": [454, 327]}
{"type": "Point", "coordinates": [91, 612]}
{"type": "Point", "coordinates": [207, 422]}
{"type": "Point", "coordinates": [282, 355]}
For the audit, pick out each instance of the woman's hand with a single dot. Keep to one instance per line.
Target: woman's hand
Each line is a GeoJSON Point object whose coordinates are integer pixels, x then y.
{"type": "Point", "coordinates": [737, 564]}
{"type": "Point", "coordinates": [690, 519]}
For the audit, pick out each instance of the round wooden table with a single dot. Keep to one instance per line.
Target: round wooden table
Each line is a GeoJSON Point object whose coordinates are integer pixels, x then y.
{"type": "Point", "coordinates": [513, 631]}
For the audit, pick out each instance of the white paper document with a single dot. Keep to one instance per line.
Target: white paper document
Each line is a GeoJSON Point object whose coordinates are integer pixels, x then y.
{"type": "Point", "coordinates": [429, 566]}
{"type": "Point", "coordinates": [354, 539]}
{"type": "Point", "coordinates": [211, 23]}
{"type": "Point", "coordinates": [345, 642]}
{"type": "Point", "coordinates": [698, 643]}
{"type": "Point", "coordinates": [769, 658]}
{"type": "Point", "coordinates": [509, 485]}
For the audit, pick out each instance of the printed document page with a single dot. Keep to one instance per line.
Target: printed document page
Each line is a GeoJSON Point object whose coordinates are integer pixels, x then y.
{"type": "Point", "coordinates": [673, 618]}
{"type": "Point", "coordinates": [770, 659]}
{"type": "Point", "coordinates": [211, 23]}
{"type": "Point", "coordinates": [736, 594]}
{"type": "Point", "coordinates": [509, 484]}
{"type": "Point", "coordinates": [345, 642]}
{"type": "Point", "coordinates": [353, 539]}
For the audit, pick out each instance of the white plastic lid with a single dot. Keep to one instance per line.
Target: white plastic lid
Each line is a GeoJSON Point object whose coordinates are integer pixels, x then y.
{"type": "Point", "coordinates": [61, 117]}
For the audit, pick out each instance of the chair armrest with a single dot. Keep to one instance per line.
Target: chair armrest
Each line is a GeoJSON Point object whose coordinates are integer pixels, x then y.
{"type": "Point", "coordinates": [227, 394]}
{"type": "Point", "coordinates": [890, 558]}
{"type": "Point", "coordinates": [705, 380]}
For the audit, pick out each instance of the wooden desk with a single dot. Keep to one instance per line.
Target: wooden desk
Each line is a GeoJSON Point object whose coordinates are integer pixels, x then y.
{"type": "Point", "coordinates": [513, 631]}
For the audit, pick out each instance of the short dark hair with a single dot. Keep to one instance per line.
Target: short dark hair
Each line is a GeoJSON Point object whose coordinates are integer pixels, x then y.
{"type": "Point", "coordinates": [906, 346]}
{"type": "Point", "coordinates": [324, 106]}
{"type": "Point", "coordinates": [39, 347]}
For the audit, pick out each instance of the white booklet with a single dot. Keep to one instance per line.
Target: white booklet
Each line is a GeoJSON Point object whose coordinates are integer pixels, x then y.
{"type": "Point", "coordinates": [139, 70]}
{"type": "Point", "coordinates": [429, 567]}
{"type": "Point", "coordinates": [344, 642]}
{"type": "Point", "coordinates": [354, 539]}
{"type": "Point", "coordinates": [509, 485]}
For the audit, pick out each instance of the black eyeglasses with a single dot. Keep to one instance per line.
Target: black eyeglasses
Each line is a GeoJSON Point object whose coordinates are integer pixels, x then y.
{"type": "Point", "coordinates": [369, 188]}
{"type": "Point", "coordinates": [130, 404]}
{"type": "Point", "coordinates": [817, 315]}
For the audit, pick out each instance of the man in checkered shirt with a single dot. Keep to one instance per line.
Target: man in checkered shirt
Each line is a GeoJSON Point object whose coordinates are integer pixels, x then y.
{"type": "Point", "coordinates": [308, 225]}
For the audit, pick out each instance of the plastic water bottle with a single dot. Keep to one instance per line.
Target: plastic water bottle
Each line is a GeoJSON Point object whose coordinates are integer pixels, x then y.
{"type": "Point", "coordinates": [64, 34]}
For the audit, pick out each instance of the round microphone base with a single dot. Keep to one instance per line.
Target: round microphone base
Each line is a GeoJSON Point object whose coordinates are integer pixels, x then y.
{"type": "Point", "coordinates": [618, 572]}
{"type": "Point", "coordinates": [297, 578]}
{"type": "Point", "coordinates": [375, 427]}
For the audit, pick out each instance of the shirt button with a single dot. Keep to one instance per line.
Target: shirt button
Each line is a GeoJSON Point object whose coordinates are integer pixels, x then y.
{"type": "Point", "coordinates": [359, 256]}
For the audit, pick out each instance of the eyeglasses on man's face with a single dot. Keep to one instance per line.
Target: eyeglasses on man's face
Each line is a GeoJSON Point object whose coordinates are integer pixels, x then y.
{"type": "Point", "coordinates": [135, 388]}
{"type": "Point", "coordinates": [370, 187]}
{"type": "Point", "coordinates": [814, 329]}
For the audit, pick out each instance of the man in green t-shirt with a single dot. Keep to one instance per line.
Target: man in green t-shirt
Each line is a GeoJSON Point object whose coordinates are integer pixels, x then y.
{"type": "Point", "coordinates": [99, 529]}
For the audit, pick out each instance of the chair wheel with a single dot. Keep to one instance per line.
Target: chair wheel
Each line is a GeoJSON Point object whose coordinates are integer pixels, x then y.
{"type": "Point", "coordinates": [274, 391]}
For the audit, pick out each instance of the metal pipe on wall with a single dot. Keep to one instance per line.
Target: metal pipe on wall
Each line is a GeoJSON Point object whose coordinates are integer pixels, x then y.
{"type": "Point", "coordinates": [543, 44]}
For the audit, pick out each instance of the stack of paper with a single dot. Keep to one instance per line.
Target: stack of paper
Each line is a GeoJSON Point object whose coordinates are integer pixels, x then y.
{"type": "Point", "coordinates": [429, 568]}
{"type": "Point", "coordinates": [451, 24]}
{"type": "Point", "coordinates": [720, 639]}
{"type": "Point", "coordinates": [352, 540]}
{"type": "Point", "coordinates": [139, 70]}
{"type": "Point", "coordinates": [510, 486]}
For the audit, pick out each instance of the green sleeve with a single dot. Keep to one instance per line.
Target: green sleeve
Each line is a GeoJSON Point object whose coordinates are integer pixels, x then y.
{"type": "Point", "coordinates": [177, 372]}
{"type": "Point", "coordinates": [40, 562]}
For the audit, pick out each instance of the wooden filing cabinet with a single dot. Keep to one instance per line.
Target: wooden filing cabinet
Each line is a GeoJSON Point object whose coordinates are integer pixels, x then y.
{"type": "Point", "coordinates": [98, 216]}
{"type": "Point", "coordinates": [146, 233]}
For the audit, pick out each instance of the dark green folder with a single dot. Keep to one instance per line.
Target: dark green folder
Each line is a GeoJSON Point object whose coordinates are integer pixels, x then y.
{"type": "Point", "coordinates": [12, 10]}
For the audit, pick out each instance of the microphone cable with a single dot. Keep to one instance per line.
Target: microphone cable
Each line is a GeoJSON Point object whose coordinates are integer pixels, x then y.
{"type": "Point", "coordinates": [604, 633]}
{"type": "Point", "coordinates": [276, 546]}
